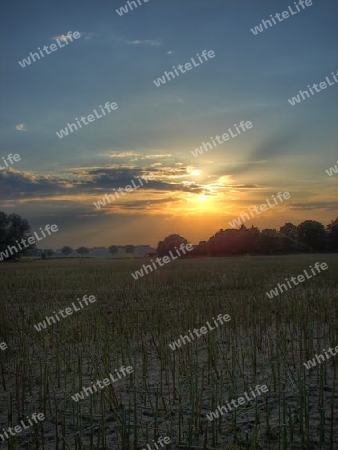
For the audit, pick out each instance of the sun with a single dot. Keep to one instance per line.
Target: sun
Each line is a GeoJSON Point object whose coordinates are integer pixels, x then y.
{"type": "Point", "coordinates": [201, 198]}
{"type": "Point", "coordinates": [201, 203]}
{"type": "Point", "coordinates": [195, 172]}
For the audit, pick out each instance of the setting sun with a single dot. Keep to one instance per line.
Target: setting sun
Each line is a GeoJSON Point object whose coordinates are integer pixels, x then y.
{"type": "Point", "coordinates": [194, 172]}
{"type": "Point", "coordinates": [202, 197]}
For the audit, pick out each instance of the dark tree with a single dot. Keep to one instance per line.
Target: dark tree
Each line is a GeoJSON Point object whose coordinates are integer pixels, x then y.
{"type": "Point", "coordinates": [202, 249]}
{"type": "Point", "coordinates": [66, 250]}
{"type": "Point", "coordinates": [289, 233]}
{"type": "Point", "coordinates": [12, 228]}
{"type": "Point", "coordinates": [332, 229]}
{"type": "Point", "coordinates": [312, 235]}
{"type": "Point", "coordinates": [169, 244]}
{"type": "Point", "coordinates": [233, 242]}
{"type": "Point", "coordinates": [113, 249]}
{"type": "Point", "coordinates": [270, 242]}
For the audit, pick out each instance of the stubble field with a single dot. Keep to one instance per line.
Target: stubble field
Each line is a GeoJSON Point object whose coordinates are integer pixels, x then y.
{"type": "Point", "coordinates": [170, 392]}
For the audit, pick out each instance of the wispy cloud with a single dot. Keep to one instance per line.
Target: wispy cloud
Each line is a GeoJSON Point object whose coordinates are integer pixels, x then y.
{"type": "Point", "coordinates": [60, 37]}
{"type": "Point", "coordinates": [20, 127]}
{"type": "Point", "coordinates": [150, 42]}
{"type": "Point", "coordinates": [136, 156]}
{"type": "Point", "coordinates": [326, 205]}
{"type": "Point", "coordinates": [88, 36]}
{"type": "Point", "coordinates": [122, 155]}
{"type": "Point", "coordinates": [85, 36]}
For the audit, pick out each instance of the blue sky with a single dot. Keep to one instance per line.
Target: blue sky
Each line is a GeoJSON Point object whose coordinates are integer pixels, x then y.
{"type": "Point", "coordinates": [154, 129]}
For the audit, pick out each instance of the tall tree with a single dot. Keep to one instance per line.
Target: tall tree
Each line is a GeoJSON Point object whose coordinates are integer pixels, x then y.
{"type": "Point", "coordinates": [169, 244]}
{"type": "Point", "coordinates": [332, 229]}
{"type": "Point", "coordinates": [289, 235]}
{"type": "Point", "coordinates": [12, 228]}
{"type": "Point", "coordinates": [82, 250]}
{"type": "Point", "coordinates": [312, 234]}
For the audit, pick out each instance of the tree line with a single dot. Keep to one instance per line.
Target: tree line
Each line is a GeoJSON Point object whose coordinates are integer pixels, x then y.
{"type": "Point", "coordinates": [308, 236]}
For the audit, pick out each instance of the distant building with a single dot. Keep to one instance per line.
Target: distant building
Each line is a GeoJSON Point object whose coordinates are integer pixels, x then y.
{"type": "Point", "coordinates": [33, 252]}
{"type": "Point", "coordinates": [140, 251]}
{"type": "Point", "coordinates": [143, 250]}
{"type": "Point", "coordinates": [98, 252]}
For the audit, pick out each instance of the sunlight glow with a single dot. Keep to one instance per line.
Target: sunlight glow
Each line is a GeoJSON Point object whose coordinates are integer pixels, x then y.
{"type": "Point", "coordinates": [194, 172]}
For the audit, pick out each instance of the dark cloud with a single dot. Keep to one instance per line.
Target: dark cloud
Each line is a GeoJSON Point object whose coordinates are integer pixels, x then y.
{"type": "Point", "coordinates": [142, 203]}
{"type": "Point", "coordinates": [244, 186]}
{"type": "Point", "coordinates": [314, 205]}
{"type": "Point", "coordinates": [14, 185]}
{"type": "Point", "coordinates": [24, 185]}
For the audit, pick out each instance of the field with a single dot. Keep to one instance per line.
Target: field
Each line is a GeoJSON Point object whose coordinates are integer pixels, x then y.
{"type": "Point", "coordinates": [170, 392]}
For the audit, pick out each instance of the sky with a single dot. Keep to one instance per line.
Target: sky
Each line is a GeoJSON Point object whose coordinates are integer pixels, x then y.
{"type": "Point", "coordinates": [155, 129]}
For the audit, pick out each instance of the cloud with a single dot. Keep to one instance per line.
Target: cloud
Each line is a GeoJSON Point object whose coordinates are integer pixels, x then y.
{"type": "Point", "coordinates": [82, 184]}
{"type": "Point", "coordinates": [60, 37]}
{"type": "Point", "coordinates": [144, 204]}
{"type": "Point", "coordinates": [326, 205]}
{"type": "Point", "coordinates": [21, 185]}
{"type": "Point", "coordinates": [131, 156]}
{"type": "Point", "coordinates": [85, 36]}
{"type": "Point", "coordinates": [88, 36]}
{"type": "Point", "coordinates": [20, 127]}
{"type": "Point", "coordinates": [122, 155]}
{"type": "Point", "coordinates": [150, 42]}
